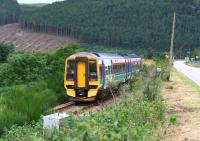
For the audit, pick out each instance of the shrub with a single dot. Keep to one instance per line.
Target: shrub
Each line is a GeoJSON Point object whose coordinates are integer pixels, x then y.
{"type": "Point", "coordinates": [165, 75]}
{"type": "Point", "coordinates": [173, 119]}
{"type": "Point", "coordinates": [55, 83]}
{"type": "Point", "coordinates": [22, 68]}
{"type": "Point", "coordinates": [163, 63]}
{"type": "Point", "coordinates": [196, 52]}
{"type": "Point", "coordinates": [57, 58]}
{"type": "Point", "coordinates": [27, 67]}
{"type": "Point", "coordinates": [4, 52]}
{"type": "Point", "coordinates": [25, 133]}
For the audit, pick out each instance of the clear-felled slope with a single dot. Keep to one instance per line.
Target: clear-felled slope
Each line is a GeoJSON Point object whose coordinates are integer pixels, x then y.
{"type": "Point", "coordinates": [22, 40]}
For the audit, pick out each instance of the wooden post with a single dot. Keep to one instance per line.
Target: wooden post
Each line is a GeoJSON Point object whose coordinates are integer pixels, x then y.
{"type": "Point", "coordinates": [172, 44]}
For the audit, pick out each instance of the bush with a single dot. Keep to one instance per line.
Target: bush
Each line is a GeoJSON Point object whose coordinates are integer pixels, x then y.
{"type": "Point", "coordinates": [27, 67]}
{"type": "Point", "coordinates": [23, 67]}
{"type": "Point", "coordinates": [196, 52]}
{"type": "Point", "coordinates": [25, 133]}
{"type": "Point", "coordinates": [163, 62]}
{"type": "Point", "coordinates": [57, 58]}
{"type": "Point", "coordinates": [152, 90]}
{"type": "Point", "coordinates": [4, 52]}
{"type": "Point", "coordinates": [165, 75]}
{"type": "Point", "coordinates": [173, 119]}
{"type": "Point", "coordinates": [55, 83]}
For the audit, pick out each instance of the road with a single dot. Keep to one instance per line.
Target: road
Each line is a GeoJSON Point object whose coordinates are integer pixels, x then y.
{"type": "Point", "coordinates": [191, 72]}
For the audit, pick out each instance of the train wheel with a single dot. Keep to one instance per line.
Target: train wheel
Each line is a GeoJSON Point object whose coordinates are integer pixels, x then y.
{"type": "Point", "coordinates": [99, 95]}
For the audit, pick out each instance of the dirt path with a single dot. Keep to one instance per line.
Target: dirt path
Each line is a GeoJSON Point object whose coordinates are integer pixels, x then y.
{"type": "Point", "coordinates": [183, 102]}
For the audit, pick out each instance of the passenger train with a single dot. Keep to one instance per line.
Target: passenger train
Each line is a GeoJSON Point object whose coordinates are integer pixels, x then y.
{"type": "Point", "coordinates": [88, 75]}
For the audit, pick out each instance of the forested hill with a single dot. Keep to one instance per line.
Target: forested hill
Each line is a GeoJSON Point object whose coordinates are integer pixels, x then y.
{"type": "Point", "coordinates": [9, 11]}
{"type": "Point", "coordinates": [123, 23]}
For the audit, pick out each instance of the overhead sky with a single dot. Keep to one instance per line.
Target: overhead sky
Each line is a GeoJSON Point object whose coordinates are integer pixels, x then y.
{"type": "Point", "coordinates": [37, 1]}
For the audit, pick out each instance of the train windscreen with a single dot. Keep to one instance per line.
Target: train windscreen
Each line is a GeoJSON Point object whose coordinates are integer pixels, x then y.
{"type": "Point", "coordinates": [70, 70]}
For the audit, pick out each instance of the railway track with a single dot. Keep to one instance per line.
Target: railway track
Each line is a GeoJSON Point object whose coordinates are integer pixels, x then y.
{"type": "Point", "coordinates": [95, 106]}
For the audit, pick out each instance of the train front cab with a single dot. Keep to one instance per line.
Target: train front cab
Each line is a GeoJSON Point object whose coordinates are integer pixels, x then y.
{"type": "Point", "coordinates": [82, 78]}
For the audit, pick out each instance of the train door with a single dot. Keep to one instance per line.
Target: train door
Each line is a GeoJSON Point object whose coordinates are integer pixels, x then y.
{"type": "Point", "coordinates": [81, 74]}
{"type": "Point", "coordinates": [102, 70]}
{"type": "Point", "coordinates": [129, 69]}
{"type": "Point", "coordinates": [108, 74]}
{"type": "Point", "coordinates": [126, 68]}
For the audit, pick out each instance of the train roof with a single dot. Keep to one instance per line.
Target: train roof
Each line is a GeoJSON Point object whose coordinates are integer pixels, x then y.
{"type": "Point", "coordinates": [109, 55]}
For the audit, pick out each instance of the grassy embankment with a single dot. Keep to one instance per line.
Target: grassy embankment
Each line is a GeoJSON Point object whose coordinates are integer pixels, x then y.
{"type": "Point", "coordinates": [187, 81]}
{"type": "Point", "coordinates": [182, 97]}
{"type": "Point", "coordinates": [193, 65]}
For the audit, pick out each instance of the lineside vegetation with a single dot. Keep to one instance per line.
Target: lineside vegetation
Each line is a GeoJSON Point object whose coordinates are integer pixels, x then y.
{"type": "Point", "coordinates": [136, 116]}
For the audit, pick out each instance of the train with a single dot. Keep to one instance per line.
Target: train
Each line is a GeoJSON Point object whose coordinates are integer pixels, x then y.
{"type": "Point", "coordinates": [88, 75]}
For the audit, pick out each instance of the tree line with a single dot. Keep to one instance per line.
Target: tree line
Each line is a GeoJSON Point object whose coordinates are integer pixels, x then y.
{"type": "Point", "coordinates": [131, 24]}
{"type": "Point", "coordinates": [9, 11]}
{"type": "Point", "coordinates": [138, 24]}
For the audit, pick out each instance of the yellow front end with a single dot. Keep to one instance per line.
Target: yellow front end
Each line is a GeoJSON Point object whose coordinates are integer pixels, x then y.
{"type": "Point", "coordinates": [82, 78]}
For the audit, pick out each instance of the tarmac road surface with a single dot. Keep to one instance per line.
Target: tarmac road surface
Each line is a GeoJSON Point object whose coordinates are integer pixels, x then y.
{"type": "Point", "coordinates": [191, 72]}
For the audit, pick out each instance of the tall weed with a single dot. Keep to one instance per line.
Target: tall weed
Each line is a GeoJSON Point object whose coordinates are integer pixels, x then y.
{"type": "Point", "coordinates": [22, 104]}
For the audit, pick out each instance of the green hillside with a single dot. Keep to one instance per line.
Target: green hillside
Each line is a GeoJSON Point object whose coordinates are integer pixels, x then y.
{"type": "Point", "coordinates": [9, 11]}
{"type": "Point", "coordinates": [30, 7]}
{"type": "Point", "coordinates": [138, 24]}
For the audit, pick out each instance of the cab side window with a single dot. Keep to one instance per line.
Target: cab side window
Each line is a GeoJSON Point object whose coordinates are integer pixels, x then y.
{"type": "Point", "coordinates": [92, 70]}
{"type": "Point", "coordinates": [70, 70]}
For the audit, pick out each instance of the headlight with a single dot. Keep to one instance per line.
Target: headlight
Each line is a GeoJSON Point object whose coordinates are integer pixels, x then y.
{"type": "Point", "coordinates": [70, 86]}
{"type": "Point", "coordinates": [93, 87]}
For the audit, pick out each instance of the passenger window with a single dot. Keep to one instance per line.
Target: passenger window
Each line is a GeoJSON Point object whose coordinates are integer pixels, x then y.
{"type": "Point", "coordinates": [92, 70]}
{"type": "Point", "coordinates": [70, 70]}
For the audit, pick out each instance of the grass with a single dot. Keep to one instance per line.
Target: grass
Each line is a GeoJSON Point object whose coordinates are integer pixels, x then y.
{"type": "Point", "coordinates": [189, 82]}
{"type": "Point", "coordinates": [193, 65]}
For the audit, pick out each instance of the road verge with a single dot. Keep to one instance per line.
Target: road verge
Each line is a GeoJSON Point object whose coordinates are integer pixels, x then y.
{"type": "Point", "coordinates": [183, 108]}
